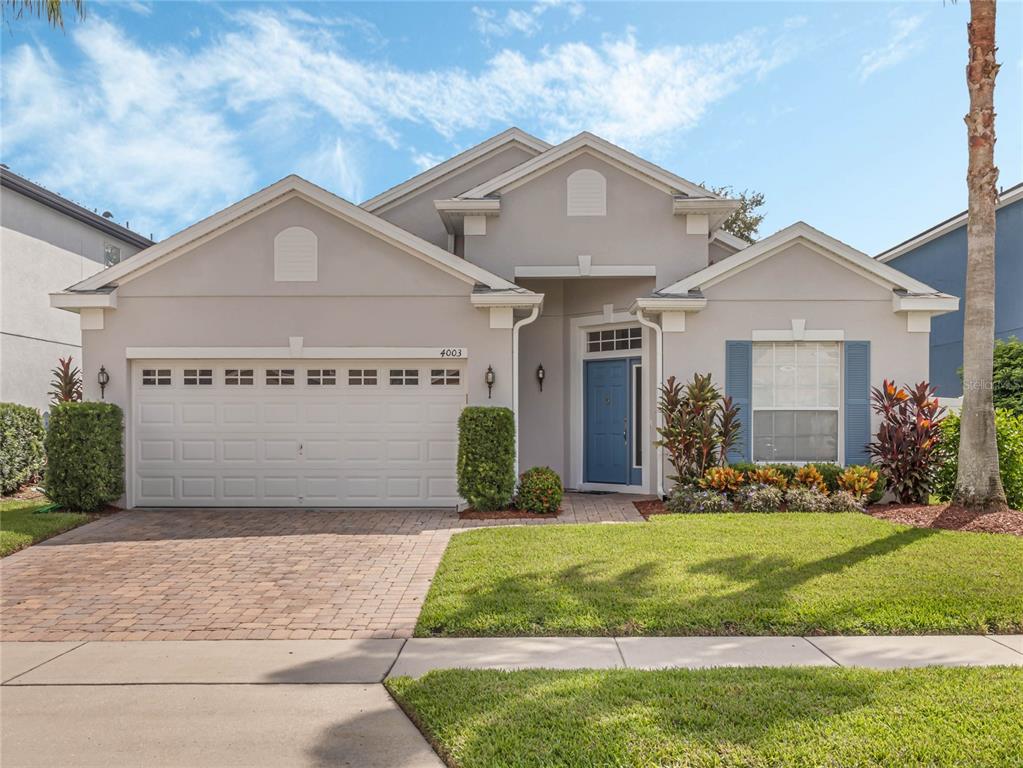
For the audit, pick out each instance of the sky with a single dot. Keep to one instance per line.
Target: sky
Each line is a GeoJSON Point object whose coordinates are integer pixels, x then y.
{"type": "Point", "coordinates": [845, 115]}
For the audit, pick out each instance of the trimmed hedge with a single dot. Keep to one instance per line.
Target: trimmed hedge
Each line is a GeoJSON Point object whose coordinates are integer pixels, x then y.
{"type": "Point", "coordinates": [539, 490]}
{"type": "Point", "coordinates": [486, 457]}
{"type": "Point", "coordinates": [21, 446]}
{"type": "Point", "coordinates": [1008, 435]}
{"type": "Point", "coordinates": [85, 453]}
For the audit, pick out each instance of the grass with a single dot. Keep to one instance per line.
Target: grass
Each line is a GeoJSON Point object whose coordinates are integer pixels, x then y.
{"type": "Point", "coordinates": [841, 718]}
{"type": "Point", "coordinates": [21, 526]}
{"type": "Point", "coordinates": [730, 574]}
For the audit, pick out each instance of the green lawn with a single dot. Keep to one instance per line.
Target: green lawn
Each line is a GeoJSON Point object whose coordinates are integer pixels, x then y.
{"type": "Point", "coordinates": [20, 526]}
{"type": "Point", "coordinates": [734, 574]}
{"type": "Point", "coordinates": [839, 718]}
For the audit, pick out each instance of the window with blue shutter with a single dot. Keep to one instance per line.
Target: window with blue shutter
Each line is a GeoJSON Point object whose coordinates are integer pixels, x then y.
{"type": "Point", "coordinates": [857, 402]}
{"type": "Point", "coordinates": [739, 385]}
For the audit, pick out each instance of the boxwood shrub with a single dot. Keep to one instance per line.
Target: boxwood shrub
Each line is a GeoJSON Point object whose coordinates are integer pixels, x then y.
{"type": "Point", "coordinates": [21, 446]}
{"type": "Point", "coordinates": [85, 455]}
{"type": "Point", "coordinates": [539, 490]}
{"type": "Point", "coordinates": [486, 457]}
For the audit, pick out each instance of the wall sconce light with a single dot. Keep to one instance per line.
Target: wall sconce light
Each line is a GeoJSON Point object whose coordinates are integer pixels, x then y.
{"type": "Point", "coordinates": [103, 378]}
{"type": "Point", "coordinates": [540, 373]}
{"type": "Point", "coordinates": [490, 378]}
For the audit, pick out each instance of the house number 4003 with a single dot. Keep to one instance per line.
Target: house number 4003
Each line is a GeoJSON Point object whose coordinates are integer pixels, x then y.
{"type": "Point", "coordinates": [452, 352]}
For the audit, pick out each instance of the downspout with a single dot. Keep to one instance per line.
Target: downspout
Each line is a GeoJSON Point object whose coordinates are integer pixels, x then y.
{"type": "Point", "coordinates": [515, 377]}
{"type": "Point", "coordinates": [658, 366]}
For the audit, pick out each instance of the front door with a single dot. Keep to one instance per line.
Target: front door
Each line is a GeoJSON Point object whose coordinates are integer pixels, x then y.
{"type": "Point", "coordinates": [606, 426]}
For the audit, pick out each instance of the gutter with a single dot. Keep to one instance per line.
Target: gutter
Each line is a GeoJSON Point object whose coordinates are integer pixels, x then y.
{"type": "Point", "coordinates": [659, 373]}
{"type": "Point", "coordinates": [515, 376]}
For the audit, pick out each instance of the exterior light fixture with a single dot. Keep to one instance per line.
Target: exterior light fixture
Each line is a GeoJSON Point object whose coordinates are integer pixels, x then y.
{"type": "Point", "coordinates": [490, 378]}
{"type": "Point", "coordinates": [103, 378]}
{"type": "Point", "coordinates": [540, 373]}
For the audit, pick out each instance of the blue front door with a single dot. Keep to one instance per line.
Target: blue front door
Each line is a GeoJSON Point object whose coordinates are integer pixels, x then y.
{"type": "Point", "coordinates": [606, 426]}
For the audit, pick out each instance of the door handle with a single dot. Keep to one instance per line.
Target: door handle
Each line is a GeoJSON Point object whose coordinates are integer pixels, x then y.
{"type": "Point", "coordinates": [625, 429]}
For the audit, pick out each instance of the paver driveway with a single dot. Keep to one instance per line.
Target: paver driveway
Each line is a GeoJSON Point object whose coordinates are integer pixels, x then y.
{"type": "Point", "coordinates": [241, 574]}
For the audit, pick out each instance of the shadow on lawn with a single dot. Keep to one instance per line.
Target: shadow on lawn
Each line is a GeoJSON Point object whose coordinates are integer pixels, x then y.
{"type": "Point", "coordinates": [625, 604]}
{"type": "Point", "coordinates": [589, 718]}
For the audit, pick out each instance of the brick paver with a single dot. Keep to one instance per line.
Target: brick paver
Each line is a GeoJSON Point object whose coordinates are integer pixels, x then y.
{"type": "Point", "coordinates": [205, 574]}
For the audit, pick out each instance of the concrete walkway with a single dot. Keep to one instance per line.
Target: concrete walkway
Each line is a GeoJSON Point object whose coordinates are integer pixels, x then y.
{"type": "Point", "coordinates": [321, 702]}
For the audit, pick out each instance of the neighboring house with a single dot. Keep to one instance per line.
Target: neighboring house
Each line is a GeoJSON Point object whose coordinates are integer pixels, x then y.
{"type": "Point", "coordinates": [298, 350]}
{"type": "Point", "coordinates": [46, 243]}
{"type": "Point", "coordinates": [938, 255]}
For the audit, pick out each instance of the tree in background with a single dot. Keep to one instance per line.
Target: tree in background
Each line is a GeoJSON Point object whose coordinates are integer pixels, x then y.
{"type": "Point", "coordinates": [978, 484]}
{"type": "Point", "coordinates": [745, 222]}
{"type": "Point", "coordinates": [67, 383]}
{"type": "Point", "coordinates": [54, 10]}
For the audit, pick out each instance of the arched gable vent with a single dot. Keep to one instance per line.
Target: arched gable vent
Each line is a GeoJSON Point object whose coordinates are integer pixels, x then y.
{"type": "Point", "coordinates": [295, 255]}
{"type": "Point", "coordinates": [587, 193]}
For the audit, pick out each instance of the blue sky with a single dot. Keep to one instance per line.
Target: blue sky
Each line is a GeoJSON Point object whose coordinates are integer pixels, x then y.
{"type": "Point", "coordinates": [845, 115]}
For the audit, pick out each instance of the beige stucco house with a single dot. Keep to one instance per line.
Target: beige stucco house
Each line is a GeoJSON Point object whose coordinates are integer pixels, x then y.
{"type": "Point", "coordinates": [298, 350]}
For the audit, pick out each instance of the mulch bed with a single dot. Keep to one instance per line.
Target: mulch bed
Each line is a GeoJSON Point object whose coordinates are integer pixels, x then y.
{"type": "Point", "coordinates": [504, 514]}
{"type": "Point", "coordinates": [647, 507]}
{"type": "Point", "coordinates": [949, 518]}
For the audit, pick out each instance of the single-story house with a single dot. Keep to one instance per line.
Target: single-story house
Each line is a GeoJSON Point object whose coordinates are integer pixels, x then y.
{"type": "Point", "coordinates": [938, 255]}
{"type": "Point", "coordinates": [295, 349]}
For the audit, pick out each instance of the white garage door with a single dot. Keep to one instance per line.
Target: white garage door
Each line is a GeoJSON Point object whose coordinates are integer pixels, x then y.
{"type": "Point", "coordinates": [306, 433]}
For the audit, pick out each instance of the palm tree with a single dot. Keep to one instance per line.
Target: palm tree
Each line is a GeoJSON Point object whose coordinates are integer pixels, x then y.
{"type": "Point", "coordinates": [54, 9]}
{"type": "Point", "coordinates": [978, 484]}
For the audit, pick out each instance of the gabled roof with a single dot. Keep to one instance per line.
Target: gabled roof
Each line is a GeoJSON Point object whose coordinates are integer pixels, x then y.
{"type": "Point", "coordinates": [512, 136]}
{"type": "Point", "coordinates": [584, 142]}
{"type": "Point", "coordinates": [1008, 196]}
{"type": "Point", "coordinates": [62, 205]}
{"type": "Point", "coordinates": [286, 189]}
{"type": "Point", "coordinates": [828, 246]}
{"type": "Point", "coordinates": [731, 241]}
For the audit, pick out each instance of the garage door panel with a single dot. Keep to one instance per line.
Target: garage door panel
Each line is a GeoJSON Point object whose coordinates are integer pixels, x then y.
{"type": "Point", "coordinates": [252, 444]}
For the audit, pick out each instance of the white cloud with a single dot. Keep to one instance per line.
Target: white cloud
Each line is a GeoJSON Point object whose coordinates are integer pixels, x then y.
{"type": "Point", "coordinates": [525, 21]}
{"type": "Point", "coordinates": [901, 45]}
{"type": "Point", "coordinates": [166, 136]}
{"type": "Point", "coordinates": [425, 160]}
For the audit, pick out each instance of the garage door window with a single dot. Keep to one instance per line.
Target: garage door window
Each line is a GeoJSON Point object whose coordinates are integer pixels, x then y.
{"type": "Point", "coordinates": [153, 377]}
{"type": "Point", "coordinates": [238, 376]}
{"type": "Point", "coordinates": [198, 377]}
{"type": "Point", "coordinates": [405, 377]}
{"type": "Point", "coordinates": [361, 377]}
{"type": "Point", "coordinates": [280, 376]}
{"type": "Point", "coordinates": [316, 377]}
{"type": "Point", "coordinates": [445, 376]}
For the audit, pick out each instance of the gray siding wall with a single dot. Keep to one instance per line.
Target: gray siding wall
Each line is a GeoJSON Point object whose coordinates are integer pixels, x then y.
{"type": "Point", "coordinates": [639, 228]}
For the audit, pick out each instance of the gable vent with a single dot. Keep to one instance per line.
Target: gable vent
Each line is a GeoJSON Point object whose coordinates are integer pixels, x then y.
{"type": "Point", "coordinates": [295, 255]}
{"type": "Point", "coordinates": [587, 193]}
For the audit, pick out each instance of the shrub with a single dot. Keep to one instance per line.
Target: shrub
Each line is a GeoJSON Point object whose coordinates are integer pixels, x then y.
{"type": "Point", "coordinates": [539, 490]}
{"type": "Point", "coordinates": [21, 446]}
{"type": "Point", "coordinates": [906, 444]}
{"type": "Point", "coordinates": [486, 457]}
{"type": "Point", "coordinates": [690, 500]}
{"type": "Point", "coordinates": [829, 473]}
{"type": "Point", "coordinates": [700, 426]}
{"type": "Point", "coordinates": [1009, 436]}
{"type": "Point", "coordinates": [767, 476]}
{"type": "Point", "coordinates": [722, 479]}
{"type": "Point", "coordinates": [1008, 375]}
{"type": "Point", "coordinates": [858, 481]}
{"type": "Point", "coordinates": [810, 477]}
{"type": "Point", "coordinates": [800, 498]}
{"type": "Point", "coordinates": [85, 455]}
{"type": "Point", "coordinates": [844, 501]}
{"type": "Point", "coordinates": [759, 498]}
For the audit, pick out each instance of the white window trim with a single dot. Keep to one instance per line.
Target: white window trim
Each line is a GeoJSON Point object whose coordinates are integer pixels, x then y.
{"type": "Point", "coordinates": [307, 353]}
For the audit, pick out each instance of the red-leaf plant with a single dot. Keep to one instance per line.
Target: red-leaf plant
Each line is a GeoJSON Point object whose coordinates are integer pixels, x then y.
{"type": "Point", "coordinates": [905, 448]}
{"type": "Point", "coordinates": [67, 382]}
{"type": "Point", "coordinates": [700, 426]}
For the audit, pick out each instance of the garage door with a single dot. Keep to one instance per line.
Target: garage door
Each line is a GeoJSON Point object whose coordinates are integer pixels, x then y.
{"type": "Point", "coordinates": [279, 433]}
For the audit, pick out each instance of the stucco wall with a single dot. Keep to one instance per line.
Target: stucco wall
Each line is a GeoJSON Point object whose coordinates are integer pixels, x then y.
{"type": "Point", "coordinates": [41, 252]}
{"type": "Point", "coordinates": [941, 263]}
{"type": "Point", "coordinates": [797, 284]}
{"type": "Point", "coordinates": [417, 213]}
{"type": "Point", "coordinates": [368, 294]}
{"type": "Point", "coordinates": [639, 228]}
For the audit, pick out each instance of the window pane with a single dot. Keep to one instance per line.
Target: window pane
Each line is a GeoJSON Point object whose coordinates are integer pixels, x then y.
{"type": "Point", "coordinates": [795, 435]}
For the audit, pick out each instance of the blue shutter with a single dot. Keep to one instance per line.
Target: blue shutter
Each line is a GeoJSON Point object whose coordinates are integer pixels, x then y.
{"type": "Point", "coordinates": [739, 385]}
{"type": "Point", "coordinates": [857, 402]}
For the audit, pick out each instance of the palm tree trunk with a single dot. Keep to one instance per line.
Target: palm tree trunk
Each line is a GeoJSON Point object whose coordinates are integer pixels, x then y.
{"type": "Point", "coordinates": [978, 484]}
